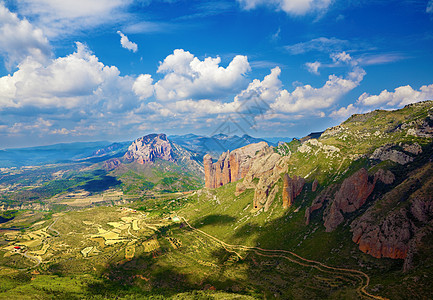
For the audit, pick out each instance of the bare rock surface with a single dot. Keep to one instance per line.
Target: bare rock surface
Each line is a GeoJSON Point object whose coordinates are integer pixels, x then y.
{"type": "Point", "coordinates": [386, 153]}
{"type": "Point", "coordinates": [231, 166]}
{"type": "Point", "coordinates": [352, 194]}
{"type": "Point", "coordinates": [395, 226]}
{"type": "Point", "coordinates": [347, 197]}
{"type": "Point", "coordinates": [112, 164]}
{"type": "Point", "coordinates": [146, 149]}
{"type": "Point", "coordinates": [292, 187]}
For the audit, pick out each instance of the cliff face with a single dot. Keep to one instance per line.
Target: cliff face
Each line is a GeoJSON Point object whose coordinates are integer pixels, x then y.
{"type": "Point", "coordinates": [352, 194]}
{"type": "Point", "coordinates": [292, 187]}
{"type": "Point", "coordinates": [347, 197]}
{"type": "Point", "coordinates": [231, 166]}
{"type": "Point", "coordinates": [146, 149]}
{"type": "Point", "coordinates": [396, 223]}
{"type": "Point", "coordinates": [267, 167]}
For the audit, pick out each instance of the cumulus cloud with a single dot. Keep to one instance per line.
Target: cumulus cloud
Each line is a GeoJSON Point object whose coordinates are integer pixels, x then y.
{"type": "Point", "coordinates": [345, 112]}
{"type": "Point", "coordinates": [401, 96]}
{"type": "Point", "coordinates": [313, 67]}
{"type": "Point", "coordinates": [20, 39]}
{"type": "Point", "coordinates": [187, 77]}
{"type": "Point", "coordinates": [143, 87]}
{"type": "Point", "coordinates": [265, 91]}
{"type": "Point", "coordinates": [309, 98]}
{"type": "Point", "coordinates": [126, 43]}
{"type": "Point", "coordinates": [306, 97]}
{"type": "Point", "coordinates": [293, 7]}
{"type": "Point", "coordinates": [66, 82]}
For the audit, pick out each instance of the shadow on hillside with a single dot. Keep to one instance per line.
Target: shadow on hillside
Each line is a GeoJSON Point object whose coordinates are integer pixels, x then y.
{"type": "Point", "coordinates": [213, 220]}
{"type": "Point", "coordinates": [102, 184]}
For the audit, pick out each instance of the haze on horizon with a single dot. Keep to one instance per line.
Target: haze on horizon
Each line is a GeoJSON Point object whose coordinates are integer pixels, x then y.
{"type": "Point", "coordinates": [116, 70]}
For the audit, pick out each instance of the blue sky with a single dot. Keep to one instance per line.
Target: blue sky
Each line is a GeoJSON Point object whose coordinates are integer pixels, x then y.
{"type": "Point", "coordinates": [78, 70]}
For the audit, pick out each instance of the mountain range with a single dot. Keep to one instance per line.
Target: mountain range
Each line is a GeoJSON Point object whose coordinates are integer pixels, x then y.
{"type": "Point", "coordinates": [343, 213]}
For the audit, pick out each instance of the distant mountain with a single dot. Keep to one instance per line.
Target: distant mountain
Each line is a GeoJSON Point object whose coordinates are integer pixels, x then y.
{"type": "Point", "coordinates": [42, 155]}
{"type": "Point", "coordinates": [153, 162]}
{"type": "Point", "coordinates": [216, 144]}
{"type": "Point", "coordinates": [274, 141]}
{"type": "Point", "coordinates": [112, 149]}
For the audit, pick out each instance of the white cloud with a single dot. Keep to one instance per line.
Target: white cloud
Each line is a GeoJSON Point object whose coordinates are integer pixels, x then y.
{"type": "Point", "coordinates": [143, 87]}
{"type": "Point", "coordinates": [345, 112]}
{"type": "Point", "coordinates": [266, 90]}
{"type": "Point", "coordinates": [20, 39]}
{"type": "Point", "coordinates": [306, 98]}
{"type": "Point", "coordinates": [378, 59]}
{"type": "Point", "coordinates": [321, 44]}
{"type": "Point", "coordinates": [69, 82]}
{"type": "Point", "coordinates": [147, 27]}
{"type": "Point", "coordinates": [293, 7]}
{"type": "Point", "coordinates": [126, 43]}
{"type": "Point", "coordinates": [313, 67]}
{"type": "Point", "coordinates": [401, 96]}
{"type": "Point", "coordinates": [187, 77]}
{"type": "Point", "coordinates": [67, 16]}
{"type": "Point", "coordinates": [341, 57]}
{"type": "Point", "coordinates": [429, 8]}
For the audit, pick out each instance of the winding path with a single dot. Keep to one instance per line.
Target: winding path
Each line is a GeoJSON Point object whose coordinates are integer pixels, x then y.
{"type": "Point", "coordinates": [295, 258]}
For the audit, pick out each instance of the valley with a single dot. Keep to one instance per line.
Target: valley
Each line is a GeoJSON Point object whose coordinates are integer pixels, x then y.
{"type": "Point", "coordinates": [341, 214]}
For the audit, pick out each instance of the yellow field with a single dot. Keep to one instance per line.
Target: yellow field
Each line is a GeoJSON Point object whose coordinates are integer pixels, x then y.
{"type": "Point", "coordinates": [107, 235]}
{"type": "Point", "coordinates": [112, 242]}
{"type": "Point", "coordinates": [86, 251]}
{"type": "Point", "coordinates": [31, 244]}
{"type": "Point", "coordinates": [175, 243]}
{"type": "Point", "coordinates": [151, 245]}
{"type": "Point", "coordinates": [129, 252]}
{"type": "Point", "coordinates": [135, 225]}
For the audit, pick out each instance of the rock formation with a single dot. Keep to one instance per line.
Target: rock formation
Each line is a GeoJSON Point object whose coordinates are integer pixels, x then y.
{"type": "Point", "coordinates": [146, 149]}
{"type": "Point", "coordinates": [387, 153]}
{"type": "Point", "coordinates": [352, 194]}
{"type": "Point", "coordinates": [231, 166]}
{"type": "Point", "coordinates": [393, 227]}
{"type": "Point", "coordinates": [314, 185]}
{"type": "Point", "coordinates": [347, 197]}
{"type": "Point", "coordinates": [267, 167]}
{"type": "Point", "coordinates": [291, 189]}
{"type": "Point", "coordinates": [414, 148]}
{"type": "Point", "coordinates": [112, 164]}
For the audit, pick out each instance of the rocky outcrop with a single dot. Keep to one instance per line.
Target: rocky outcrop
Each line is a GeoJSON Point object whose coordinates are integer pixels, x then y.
{"type": "Point", "coordinates": [319, 202]}
{"type": "Point", "coordinates": [314, 185]}
{"type": "Point", "coordinates": [231, 166]}
{"type": "Point", "coordinates": [387, 177]}
{"type": "Point", "coordinates": [414, 148]}
{"type": "Point", "coordinates": [112, 164]}
{"type": "Point", "coordinates": [352, 194]}
{"type": "Point", "coordinates": [148, 148]}
{"type": "Point", "coordinates": [421, 128]}
{"type": "Point", "coordinates": [292, 187]}
{"type": "Point", "coordinates": [389, 239]}
{"type": "Point", "coordinates": [263, 175]}
{"type": "Point", "coordinates": [387, 153]}
{"type": "Point", "coordinates": [347, 197]}
{"type": "Point", "coordinates": [395, 225]}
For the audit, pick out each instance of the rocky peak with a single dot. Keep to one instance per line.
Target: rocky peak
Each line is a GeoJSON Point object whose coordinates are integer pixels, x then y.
{"type": "Point", "coordinates": [150, 147]}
